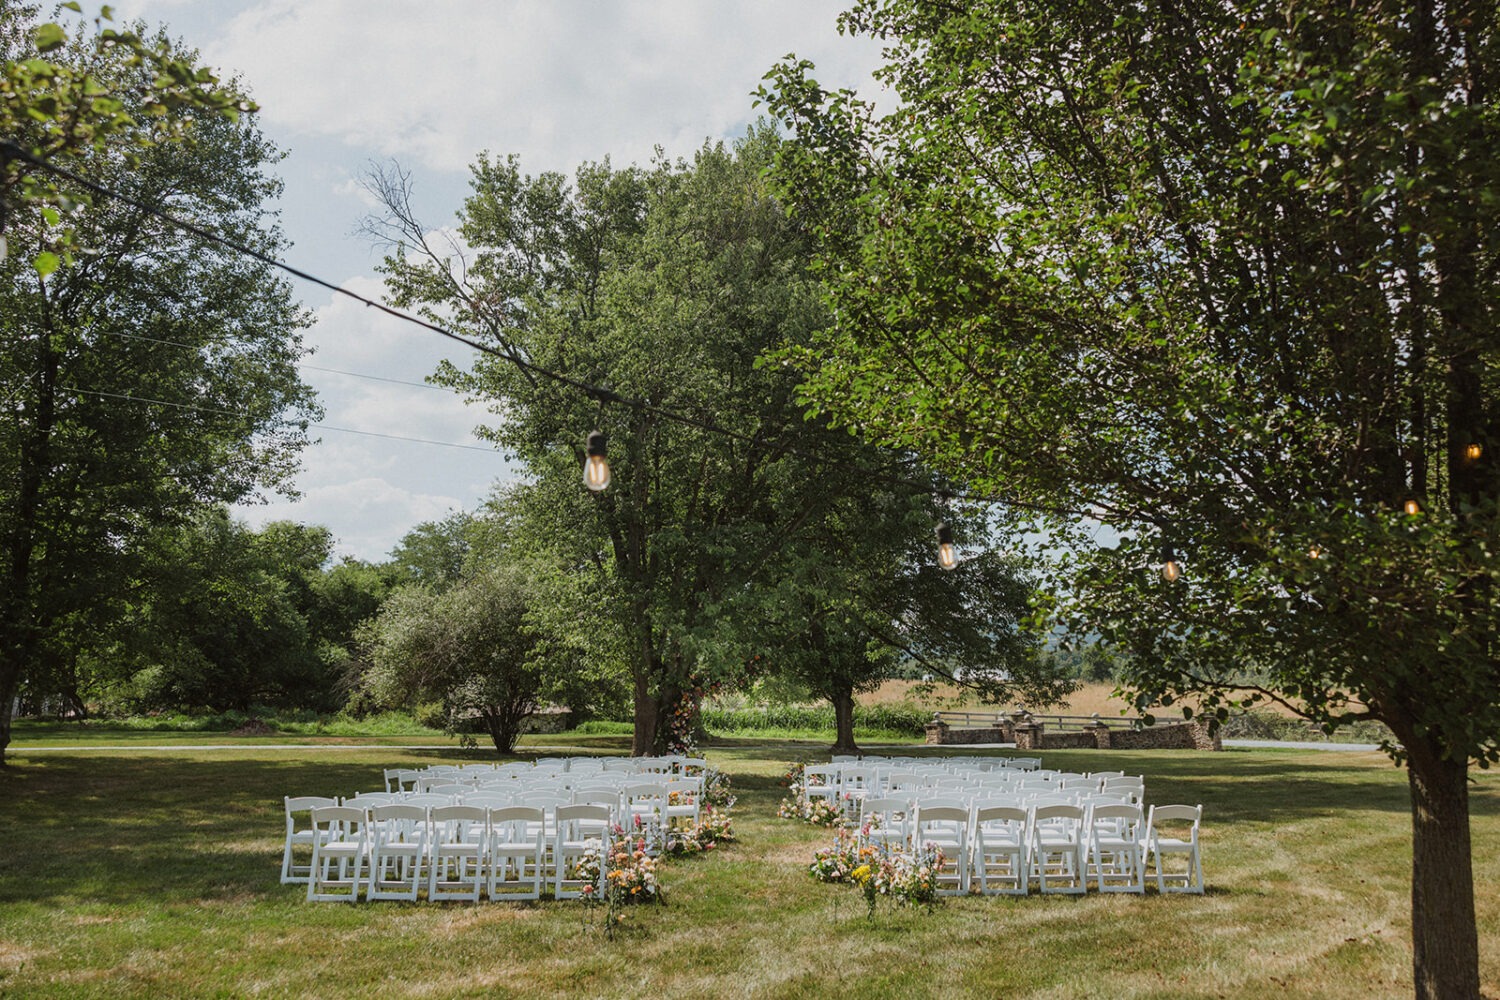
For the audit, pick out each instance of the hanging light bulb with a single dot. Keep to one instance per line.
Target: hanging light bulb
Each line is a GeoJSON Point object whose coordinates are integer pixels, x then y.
{"type": "Point", "coordinates": [1315, 552]}
{"type": "Point", "coordinates": [1473, 451]}
{"type": "Point", "coordinates": [1171, 569]}
{"type": "Point", "coordinates": [1413, 508]}
{"type": "Point", "coordinates": [947, 555]}
{"type": "Point", "coordinates": [596, 466]}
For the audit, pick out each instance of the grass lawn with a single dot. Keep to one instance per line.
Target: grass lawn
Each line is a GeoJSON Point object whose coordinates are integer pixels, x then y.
{"type": "Point", "coordinates": [141, 873]}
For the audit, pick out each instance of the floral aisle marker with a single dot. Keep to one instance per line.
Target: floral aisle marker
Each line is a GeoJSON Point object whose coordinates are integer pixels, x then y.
{"type": "Point", "coordinates": [903, 875]}
{"type": "Point", "coordinates": [818, 812]}
{"type": "Point", "coordinates": [629, 877]}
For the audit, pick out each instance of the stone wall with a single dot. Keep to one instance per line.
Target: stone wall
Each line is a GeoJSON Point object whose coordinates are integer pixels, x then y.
{"type": "Point", "coordinates": [939, 734]}
{"type": "Point", "coordinates": [1029, 734]}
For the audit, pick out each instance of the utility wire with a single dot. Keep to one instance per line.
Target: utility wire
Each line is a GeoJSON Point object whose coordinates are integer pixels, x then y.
{"type": "Point", "coordinates": [240, 413]}
{"type": "Point", "coordinates": [300, 364]}
{"type": "Point", "coordinates": [9, 149]}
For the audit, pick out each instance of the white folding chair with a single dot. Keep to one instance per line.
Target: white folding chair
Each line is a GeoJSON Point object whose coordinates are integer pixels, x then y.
{"type": "Point", "coordinates": [459, 853]}
{"type": "Point", "coordinates": [518, 853]}
{"type": "Point", "coordinates": [1057, 848]}
{"type": "Point", "coordinates": [884, 822]}
{"type": "Point", "coordinates": [398, 849]}
{"type": "Point", "coordinates": [341, 849]}
{"type": "Point", "coordinates": [300, 836]}
{"type": "Point", "coordinates": [1001, 850]}
{"type": "Point", "coordinates": [945, 827]}
{"type": "Point", "coordinates": [580, 830]}
{"type": "Point", "coordinates": [684, 800]}
{"type": "Point", "coordinates": [1158, 845]}
{"type": "Point", "coordinates": [1117, 859]}
{"type": "Point", "coordinates": [820, 781]}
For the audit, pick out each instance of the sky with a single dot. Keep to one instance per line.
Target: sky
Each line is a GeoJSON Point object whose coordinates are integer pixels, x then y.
{"type": "Point", "coordinates": [346, 85]}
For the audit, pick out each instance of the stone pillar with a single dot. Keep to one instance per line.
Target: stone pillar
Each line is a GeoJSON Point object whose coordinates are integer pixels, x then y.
{"type": "Point", "coordinates": [1029, 735]}
{"type": "Point", "coordinates": [1099, 730]}
{"type": "Point", "coordinates": [1198, 731]}
{"type": "Point", "coordinates": [937, 731]}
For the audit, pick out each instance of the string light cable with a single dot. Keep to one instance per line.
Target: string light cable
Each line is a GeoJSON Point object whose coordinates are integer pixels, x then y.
{"type": "Point", "coordinates": [10, 150]}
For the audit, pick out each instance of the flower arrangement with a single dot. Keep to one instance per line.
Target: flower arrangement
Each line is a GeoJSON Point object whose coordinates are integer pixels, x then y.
{"type": "Point", "coordinates": [713, 829]}
{"type": "Point", "coordinates": [717, 791]}
{"type": "Point", "coordinates": [818, 812]}
{"type": "Point", "coordinates": [909, 877]}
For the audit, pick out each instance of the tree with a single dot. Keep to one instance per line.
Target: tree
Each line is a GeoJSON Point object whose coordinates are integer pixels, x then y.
{"type": "Point", "coordinates": [658, 291]}
{"type": "Point", "coordinates": [155, 374]}
{"type": "Point", "coordinates": [433, 553]}
{"type": "Point", "coordinates": [470, 646]}
{"type": "Point", "coordinates": [1223, 277]}
{"type": "Point", "coordinates": [220, 617]}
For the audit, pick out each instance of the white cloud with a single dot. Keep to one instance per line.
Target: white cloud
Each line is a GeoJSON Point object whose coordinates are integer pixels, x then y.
{"type": "Point", "coordinates": [372, 513]}
{"type": "Point", "coordinates": [558, 81]}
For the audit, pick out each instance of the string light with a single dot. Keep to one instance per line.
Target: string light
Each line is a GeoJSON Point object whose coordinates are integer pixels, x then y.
{"type": "Point", "coordinates": [1171, 569]}
{"type": "Point", "coordinates": [596, 465]}
{"type": "Point", "coordinates": [1413, 508]}
{"type": "Point", "coordinates": [947, 555]}
{"type": "Point", "coordinates": [1473, 451]}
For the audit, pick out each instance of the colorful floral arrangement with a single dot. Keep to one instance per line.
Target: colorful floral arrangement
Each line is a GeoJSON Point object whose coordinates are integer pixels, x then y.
{"type": "Point", "coordinates": [717, 791]}
{"type": "Point", "coordinates": [907, 876]}
{"type": "Point", "coordinates": [818, 812]}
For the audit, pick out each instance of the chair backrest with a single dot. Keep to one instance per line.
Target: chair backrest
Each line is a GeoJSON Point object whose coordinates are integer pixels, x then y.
{"type": "Point", "coordinates": [465, 824]}
{"type": "Point", "coordinates": [1122, 818]}
{"type": "Point", "coordinates": [572, 821]}
{"type": "Point", "coordinates": [332, 820]}
{"type": "Point", "coordinates": [1191, 815]}
{"type": "Point", "coordinates": [1062, 813]}
{"type": "Point", "coordinates": [401, 821]}
{"type": "Point", "coordinates": [999, 814]}
{"type": "Point", "coordinates": [368, 800]}
{"type": "Point", "coordinates": [517, 823]}
{"type": "Point", "coordinates": [429, 799]}
{"type": "Point", "coordinates": [303, 803]}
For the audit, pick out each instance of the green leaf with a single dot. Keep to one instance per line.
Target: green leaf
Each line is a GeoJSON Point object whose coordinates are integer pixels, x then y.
{"type": "Point", "coordinates": [45, 263]}
{"type": "Point", "coordinates": [50, 36]}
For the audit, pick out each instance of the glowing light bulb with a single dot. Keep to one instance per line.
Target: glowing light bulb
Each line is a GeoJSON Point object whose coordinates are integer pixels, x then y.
{"type": "Point", "coordinates": [1473, 451]}
{"type": "Point", "coordinates": [1315, 552]}
{"type": "Point", "coordinates": [947, 554]}
{"type": "Point", "coordinates": [1171, 569]}
{"type": "Point", "coordinates": [596, 466]}
{"type": "Point", "coordinates": [1413, 508]}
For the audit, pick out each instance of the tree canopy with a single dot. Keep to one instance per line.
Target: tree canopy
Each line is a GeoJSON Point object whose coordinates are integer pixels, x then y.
{"type": "Point", "coordinates": [155, 374]}
{"type": "Point", "coordinates": [1223, 277]}
{"type": "Point", "coordinates": [654, 292]}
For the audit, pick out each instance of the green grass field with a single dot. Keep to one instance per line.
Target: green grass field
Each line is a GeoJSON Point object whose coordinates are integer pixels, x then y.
{"type": "Point", "coordinates": [140, 873]}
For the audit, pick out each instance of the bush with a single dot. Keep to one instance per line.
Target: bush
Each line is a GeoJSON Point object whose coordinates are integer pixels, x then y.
{"type": "Point", "coordinates": [897, 720]}
{"type": "Point", "coordinates": [1261, 725]}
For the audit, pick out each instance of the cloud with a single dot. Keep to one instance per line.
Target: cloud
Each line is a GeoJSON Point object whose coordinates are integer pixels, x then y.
{"type": "Point", "coordinates": [558, 81]}
{"type": "Point", "coordinates": [379, 511]}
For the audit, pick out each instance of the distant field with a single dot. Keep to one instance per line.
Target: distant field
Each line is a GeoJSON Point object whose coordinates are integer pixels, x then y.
{"type": "Point", "coordinates": [1088, 700]}
{"type": "Point", "coordinates": [153, 874]}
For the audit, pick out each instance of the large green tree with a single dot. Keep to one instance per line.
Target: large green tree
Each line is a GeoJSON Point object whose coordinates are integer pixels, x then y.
{"type": "Point", "coordinates": [154, 374]}
{"type": "Point", "coordinates": [657, 291]}
{"type": "Point", "coordinates": [1224, 276]}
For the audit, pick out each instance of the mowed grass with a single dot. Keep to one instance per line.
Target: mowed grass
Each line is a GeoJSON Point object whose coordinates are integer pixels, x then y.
{"type": "Point", "coordinates": [155, 874]}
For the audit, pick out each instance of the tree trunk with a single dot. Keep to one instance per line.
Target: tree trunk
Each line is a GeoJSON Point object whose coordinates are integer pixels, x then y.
{"type": "Point", "coordinates": [643, 741]}
{"type": "Point", "coordinates": [843, 721]}
{"type": "Point", "coordinates": [9, 675]}
{"type": "Point", "coordinates": [1445, 939]}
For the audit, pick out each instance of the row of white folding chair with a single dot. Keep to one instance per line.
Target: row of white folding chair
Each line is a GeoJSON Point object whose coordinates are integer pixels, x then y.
{"type": "Point", "coordinates": [1051, 842]}
{"type": "Point", "coordinates": [455, 851]}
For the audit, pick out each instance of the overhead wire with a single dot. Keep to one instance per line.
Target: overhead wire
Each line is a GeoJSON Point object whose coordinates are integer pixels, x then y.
{"type": "Point", "coordinates": [9, 149]}
{"type": "Point", "coordinates": [240, 413]}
